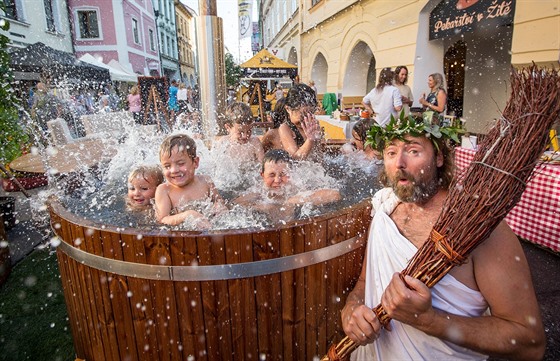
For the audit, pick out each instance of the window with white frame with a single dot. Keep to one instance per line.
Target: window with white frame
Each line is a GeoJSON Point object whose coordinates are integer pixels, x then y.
{"type": "Point", "coordinates": [152, 40]}
{"type": "Point", "coordinates": [135, 35]}
{"type": "Point", "coordinates": [88, 24]}
{"type": "Point", "coordinates": [169, 46]}
{"type": "Point", "coordinates": [49, 15]}
{"type": "Point", "coordinates": [13, 9]}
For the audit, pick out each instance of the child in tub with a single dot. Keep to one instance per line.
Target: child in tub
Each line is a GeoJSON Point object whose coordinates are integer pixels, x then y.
{"type": "Point", "coordinates": [184, 195]}
{"type": "Point", "coordinates": [279, 197]}
{"type": "Point", "coordinates": [239, 143]}
{"type": "Point", "coordinates": [142, 183]}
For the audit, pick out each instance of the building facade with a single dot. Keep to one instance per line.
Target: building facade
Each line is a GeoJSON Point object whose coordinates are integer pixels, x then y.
{"type": "Point", "coordinates": [34, 21]}
{"type": "Point", "coordinates": [167, 35]}
{"type": "Point", "coordinates": [342, 46]}
{"type": "Point", "coordinates": [186, 43]}
{"type": "Point", "coordinates": [124, 31]}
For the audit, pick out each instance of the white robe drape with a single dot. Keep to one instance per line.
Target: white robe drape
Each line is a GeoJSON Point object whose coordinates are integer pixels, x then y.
{"type": "Point", "coordinates": [389, 252]}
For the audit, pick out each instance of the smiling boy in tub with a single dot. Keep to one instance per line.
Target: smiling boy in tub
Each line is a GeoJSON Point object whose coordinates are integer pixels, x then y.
{"type": "Point", "coordinates": [277, 197]}
{"type": "Point", "coordinates": [142, 183]}
{"type": "Point", "coordinates": [184, 195]}
{"type": "Point", "coordinates": [240, 143]}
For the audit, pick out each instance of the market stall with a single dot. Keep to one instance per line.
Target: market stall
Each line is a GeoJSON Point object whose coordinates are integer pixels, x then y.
{"type": "Point", "coordinates": [261, 68]}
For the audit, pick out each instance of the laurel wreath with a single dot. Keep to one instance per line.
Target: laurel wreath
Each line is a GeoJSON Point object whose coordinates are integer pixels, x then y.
{"type": "Point", "coordinates": [398, 128]}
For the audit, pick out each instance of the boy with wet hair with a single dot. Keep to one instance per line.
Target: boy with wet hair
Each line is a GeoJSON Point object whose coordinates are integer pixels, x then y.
{"type": "Point", "coordinates": [276, 199]}
{"type": "Point", "coordinates": [184, 194]}
{"type": "Point", "coordinates": [142, 183]}
{"type": "Point", "coordinates": [239, 142]}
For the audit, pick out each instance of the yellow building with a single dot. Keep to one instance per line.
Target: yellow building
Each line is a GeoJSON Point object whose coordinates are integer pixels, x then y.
{"type": "Point", "coordinates": [186, 43]}
{"type": "Point", "coordinates": [342, 45]}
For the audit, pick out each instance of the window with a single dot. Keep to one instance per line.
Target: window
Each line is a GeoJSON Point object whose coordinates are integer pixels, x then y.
{"type": "Point", "coordinates": [151, 38]}
{"type": "Point", "coordinates": [88, 24]}
{"type": "Point", "coordinates": [315, 2]}
{"type": "Point", "coordinates": [173, 53]}
{"type": "Point", "coordinates": [168, 45]}
{"type": "Point", "coordinates": [12, 10]}
{"type": "Point", "coordinates": [135, 31]}
{"type": "Point", "coordinates": [49, 15]}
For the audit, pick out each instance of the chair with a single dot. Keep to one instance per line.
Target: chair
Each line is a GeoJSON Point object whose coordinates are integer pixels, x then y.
{"type": "Point", "coordinates": [59, 132]}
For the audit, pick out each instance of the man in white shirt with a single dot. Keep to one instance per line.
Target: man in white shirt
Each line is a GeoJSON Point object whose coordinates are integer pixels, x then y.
{"type": "Point", "coordinates": [401, 78]}
{"type": "Point", "coordinates": [384, 100]}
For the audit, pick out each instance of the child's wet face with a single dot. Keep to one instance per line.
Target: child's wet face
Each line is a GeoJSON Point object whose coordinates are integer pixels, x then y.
{"type": "Point", "coordinates": [275, 175]}
{"type": "Point", "coordinates": [240, 133]}
{"type": "Point", "coordinates": [141, 190]}
{"type": "Point", "coordinates": [179, 167]}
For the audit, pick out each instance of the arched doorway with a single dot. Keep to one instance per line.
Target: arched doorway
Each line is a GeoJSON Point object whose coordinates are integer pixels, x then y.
{"type": "Point", "coordinates": [454, 68]}
{"type": "Point", "coordinates": [319, 73]}
{"type": "Point", "coordinates": [359, 76]}
{"type": "Point", "coordinates": [292, 56]}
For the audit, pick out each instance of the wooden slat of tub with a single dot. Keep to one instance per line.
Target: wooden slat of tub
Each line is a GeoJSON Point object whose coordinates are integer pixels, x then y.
{"type": "Point", "coordinates": [120, 300]}
{"type": "Point", "coordinates": [86, 336]}
{"type": "Point", "coordinates": [142, 316]}
{"type": "Point", "coordinates": [266, 245]}
{"type": "Point", "coordinates": [89, 296]}
{"type": "Point", "coordinates": [163, 298]}
{"type": "Point", "coordinates": [239, 249]}
{"type": "Point", "coordinates": [336, 269]}
{"type": "Point", "coordinates": [315, 282]}
{"type": "Point", "coordinates": [69, 286]}
{"type": "Point", "coordinates": [189, 301]}
{"type": "Point", "coordinates": [216, 301]}
{"type": "Point", "coordinates": [292, 241]}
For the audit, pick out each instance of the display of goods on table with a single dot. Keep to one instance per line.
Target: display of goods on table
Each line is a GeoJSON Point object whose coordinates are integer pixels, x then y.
{"type": "Point", "coordinates": [482, 195]}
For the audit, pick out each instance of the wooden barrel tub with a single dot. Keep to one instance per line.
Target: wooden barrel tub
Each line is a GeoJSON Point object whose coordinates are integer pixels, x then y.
{"type": "Point", "coordinates": [272, 294]}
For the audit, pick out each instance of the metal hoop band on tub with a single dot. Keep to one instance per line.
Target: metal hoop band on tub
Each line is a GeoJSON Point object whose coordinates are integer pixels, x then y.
{"type": "Point", "coordinates": [212, 272]}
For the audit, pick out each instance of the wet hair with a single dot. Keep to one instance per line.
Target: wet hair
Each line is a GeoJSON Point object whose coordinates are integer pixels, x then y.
{"type": "Point", "coordinates": [276, 156]}
{"type": "Point", "coordinates": [147, 172]}
{"type": "Point", "coordinates": [239, 113]}
{"type": "Point", "coordinates": [301, 95]}
{"type": "Point", "coordinates": [279, 114]}
{"type": "Point", "coordinates": [385, 78]}
{"type": "Point", "coordinates": [361, 127]}
{"type": "Point", "coordinates": [444, 173]}
{"type": "Point", "coordinates": [398, 71]}
{"type": "Point", "coordinates": [184, 143]}
{"type": "Point", "coordinates": [438, 80]}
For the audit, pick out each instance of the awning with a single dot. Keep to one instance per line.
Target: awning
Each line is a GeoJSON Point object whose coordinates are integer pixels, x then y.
{"type": "Point", "coordinates": [41, 59]}
{"type": "Point", "coordinates": [116, 74]}
{"type": "Point", "coordinates": [266, 65]}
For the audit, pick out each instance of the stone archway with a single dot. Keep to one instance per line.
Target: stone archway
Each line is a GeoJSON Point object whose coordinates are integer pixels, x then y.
{"type": "Point", "coordinates": [359, 76]}
{"type": "Point", "coordinates": [319, 73]}
{"type": "Point", "coordinates": [292, 56]}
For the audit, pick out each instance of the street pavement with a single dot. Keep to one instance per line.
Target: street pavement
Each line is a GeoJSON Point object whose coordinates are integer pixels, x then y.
{"type": "Point", "coordinates": [544, 265]}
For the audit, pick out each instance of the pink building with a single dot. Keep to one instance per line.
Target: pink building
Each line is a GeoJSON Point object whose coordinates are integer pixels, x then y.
{"type": "Point", "coordinates": [121, 30]}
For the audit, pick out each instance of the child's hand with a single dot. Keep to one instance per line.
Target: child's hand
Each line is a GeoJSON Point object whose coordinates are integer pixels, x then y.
{"type": "Point", "coordinates": [311, 127]}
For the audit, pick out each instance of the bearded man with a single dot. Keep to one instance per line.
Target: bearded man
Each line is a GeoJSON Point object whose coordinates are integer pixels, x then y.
{"type": "Point", "coordinates": [486, 306]}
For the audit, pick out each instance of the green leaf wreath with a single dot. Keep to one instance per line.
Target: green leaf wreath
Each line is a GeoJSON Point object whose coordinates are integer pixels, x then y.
{"type": "Point", "coordinates": [398, 128]}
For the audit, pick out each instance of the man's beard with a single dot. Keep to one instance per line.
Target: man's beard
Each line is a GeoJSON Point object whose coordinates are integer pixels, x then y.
{"type": "Point", "coordinates": [419, 190]}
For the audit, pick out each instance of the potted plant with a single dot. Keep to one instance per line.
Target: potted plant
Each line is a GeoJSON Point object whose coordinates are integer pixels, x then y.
{"type": "Point", "coordinates": [13, 138]}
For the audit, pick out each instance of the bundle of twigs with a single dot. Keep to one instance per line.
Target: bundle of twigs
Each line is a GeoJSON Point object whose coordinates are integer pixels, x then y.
{"type": "Point", "coordinates": [489, 188]}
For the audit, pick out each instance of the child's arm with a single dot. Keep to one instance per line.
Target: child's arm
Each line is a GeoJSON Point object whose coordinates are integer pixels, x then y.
{"type": "Point", "coordinates": [318, 197]}
{"type": "Point", "coordinates": [215, 197]}
{"type": "Point", "coordinates": [259, 150]}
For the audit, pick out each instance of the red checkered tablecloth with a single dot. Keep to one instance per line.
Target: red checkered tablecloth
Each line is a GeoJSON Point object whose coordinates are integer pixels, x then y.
{"type": "Point", "coordinates": [536, 217]}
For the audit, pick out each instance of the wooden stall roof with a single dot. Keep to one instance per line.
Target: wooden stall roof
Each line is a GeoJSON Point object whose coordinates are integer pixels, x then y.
{"type": "Point", "coordinates": [266, 65]}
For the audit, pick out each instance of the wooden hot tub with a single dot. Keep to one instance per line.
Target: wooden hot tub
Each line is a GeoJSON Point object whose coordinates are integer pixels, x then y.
{"type": "Point", "coordinates": [152, 295]}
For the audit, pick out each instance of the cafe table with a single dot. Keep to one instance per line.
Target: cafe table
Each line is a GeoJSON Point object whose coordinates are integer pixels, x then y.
{"type": "Point", "coordinates": [334, 128]}
{"type": "Point", "coordinates": [81, 154]}
{"type": "Point", "coordinates": [536, 217]}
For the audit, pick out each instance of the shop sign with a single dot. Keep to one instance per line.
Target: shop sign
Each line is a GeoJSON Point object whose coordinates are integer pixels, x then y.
{"type": "Point", "coordinates": [452, 17]}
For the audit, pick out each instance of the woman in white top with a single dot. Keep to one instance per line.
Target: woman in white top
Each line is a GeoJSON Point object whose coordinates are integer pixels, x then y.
{"type": "Point", "coordinates": [385, 99]}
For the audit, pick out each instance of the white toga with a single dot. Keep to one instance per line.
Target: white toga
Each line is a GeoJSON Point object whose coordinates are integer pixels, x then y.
{"type": "Point", "coordinates": [389, 252]}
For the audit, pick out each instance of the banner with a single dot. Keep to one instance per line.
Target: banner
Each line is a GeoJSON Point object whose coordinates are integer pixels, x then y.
{"type": "Point", "coordinates": [453, 17]}
{"type": "Point", "coordinates": [245, 8]}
